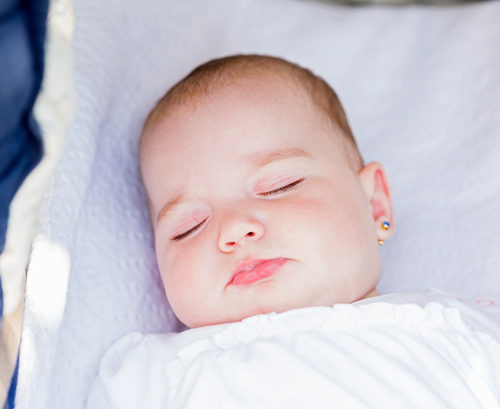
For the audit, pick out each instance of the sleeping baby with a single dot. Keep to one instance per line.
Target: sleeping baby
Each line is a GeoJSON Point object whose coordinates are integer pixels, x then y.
{"type": "Point", "coordinates": [267, 228]}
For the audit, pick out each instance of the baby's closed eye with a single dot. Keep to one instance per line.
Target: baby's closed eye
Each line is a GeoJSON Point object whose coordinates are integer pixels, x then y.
{"type": "Point", "coordinates": [187, 233]}
{"type": "Point", "coordinates": [282, 189]}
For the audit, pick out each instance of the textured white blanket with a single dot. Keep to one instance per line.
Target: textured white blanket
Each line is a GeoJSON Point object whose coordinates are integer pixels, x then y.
{"type": "Point", "coordinates": [365, 355]}
{"type": "Point", "coordinates": [421, 87]}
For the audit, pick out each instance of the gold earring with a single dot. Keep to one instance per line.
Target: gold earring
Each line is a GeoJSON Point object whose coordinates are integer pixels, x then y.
{"type": "Point", "coordinates": [385, 226]}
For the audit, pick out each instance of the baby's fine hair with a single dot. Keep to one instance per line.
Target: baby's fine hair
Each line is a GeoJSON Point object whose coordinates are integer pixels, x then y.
{"type": "Point", "coordinates": [205, 80]}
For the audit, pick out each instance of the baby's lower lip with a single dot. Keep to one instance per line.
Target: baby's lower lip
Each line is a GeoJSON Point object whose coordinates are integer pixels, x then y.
{"type": "Point", "coordinates": [259, 272]}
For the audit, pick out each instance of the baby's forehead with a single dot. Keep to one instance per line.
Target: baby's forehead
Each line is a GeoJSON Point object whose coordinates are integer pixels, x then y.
{"type": "Point", "coordinates": [192, 94]}
{"type": "Point", "coordinates": [250, 102]}
{"type": "Point", "coordinates": [234, 98]}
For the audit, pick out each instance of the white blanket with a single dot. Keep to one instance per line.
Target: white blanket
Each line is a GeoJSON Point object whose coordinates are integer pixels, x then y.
{"type": "Point", "coordinates": [372, 354]}
{"type": "Point", "coordinates": [421, 87]}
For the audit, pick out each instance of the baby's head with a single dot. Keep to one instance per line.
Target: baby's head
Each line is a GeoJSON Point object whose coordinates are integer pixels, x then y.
{"type": "Point", "coordinates": [258, 196]}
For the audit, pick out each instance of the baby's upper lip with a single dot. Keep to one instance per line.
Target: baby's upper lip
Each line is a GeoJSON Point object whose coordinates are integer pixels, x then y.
{"type": "Point", "coordinates": [248, 265]}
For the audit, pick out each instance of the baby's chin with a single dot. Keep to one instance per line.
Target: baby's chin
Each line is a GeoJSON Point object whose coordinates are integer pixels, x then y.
{"type": "Point", "coordinates": [370, 294]}
{"type": "Point", "coordinates": [214, 319]}
{"type": "Point", "coordinates": [273, 307]}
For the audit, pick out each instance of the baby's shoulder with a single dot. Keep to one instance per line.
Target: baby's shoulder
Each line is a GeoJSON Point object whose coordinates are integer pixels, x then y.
{"type": "Point", "coordinates": [138, 363]}
{"type": "Point", "coordinates": [133, 363]}
{"type": "Point", "coordinates": [482, 313]}
{"type": "Point", "coordinates": [136, 345]}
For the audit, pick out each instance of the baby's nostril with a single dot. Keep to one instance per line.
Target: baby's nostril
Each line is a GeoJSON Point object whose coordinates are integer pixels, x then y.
{"type": "Point", "coordinates": [250, 233]}
{"type": "Point", "coordinates": [230, 243]}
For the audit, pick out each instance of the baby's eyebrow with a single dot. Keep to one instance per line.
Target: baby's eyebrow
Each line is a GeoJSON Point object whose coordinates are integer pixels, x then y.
{"type": "Point", "coordinates": [168, 207]}
{"type": "Point", "coordinates": [281, 154]}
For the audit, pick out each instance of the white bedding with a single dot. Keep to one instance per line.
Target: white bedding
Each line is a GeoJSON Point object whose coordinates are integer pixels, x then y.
{"type": "Point", "coordinates": [373, 354]}
{"type": "Point", "coordinates": [421, 87]}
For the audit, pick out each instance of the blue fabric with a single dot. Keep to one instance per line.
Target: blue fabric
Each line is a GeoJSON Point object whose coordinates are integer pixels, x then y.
{"type": "Point", "coordinates": [1, 303]}
{"type": "Point", "coordinates": [22, 37]}
{"type": "Point", "coordinates": [22, 34]}
{"type": "Point", "coordinates": [9, 404]}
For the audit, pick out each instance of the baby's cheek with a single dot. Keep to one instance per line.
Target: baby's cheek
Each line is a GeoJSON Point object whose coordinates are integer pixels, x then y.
{"type": "Point", "coordinates": [313, 215]}
{"type": "Point", "coordinates": [181, 284]}
{"type": "Point", "coordinates": [332, 227]}
{"type": "Point", "coordinates": [301, 210]}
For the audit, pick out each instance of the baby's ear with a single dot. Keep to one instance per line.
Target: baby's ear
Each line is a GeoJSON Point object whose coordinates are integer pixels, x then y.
{"type": "Point", "coordinates": [374, 182]}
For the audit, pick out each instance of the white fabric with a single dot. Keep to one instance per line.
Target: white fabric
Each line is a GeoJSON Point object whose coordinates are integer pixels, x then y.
{"type": "Point", "coordinates": [421, 87]}
{"type": "Point", "coordinates": [372, 354]}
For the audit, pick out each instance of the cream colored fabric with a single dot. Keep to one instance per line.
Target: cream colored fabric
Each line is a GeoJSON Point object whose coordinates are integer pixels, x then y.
{"type": "Point", "coordinates": [9, 347]}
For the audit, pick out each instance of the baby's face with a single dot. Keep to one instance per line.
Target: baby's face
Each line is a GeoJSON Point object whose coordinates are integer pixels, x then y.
{"type": "Point", "coordinates": [256, 209]}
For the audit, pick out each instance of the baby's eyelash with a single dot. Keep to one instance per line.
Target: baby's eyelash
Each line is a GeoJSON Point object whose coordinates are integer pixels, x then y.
{"type": "Point", "coordinates": [187, 233]}
{"type": "Point", "coordinates": [282, 189]}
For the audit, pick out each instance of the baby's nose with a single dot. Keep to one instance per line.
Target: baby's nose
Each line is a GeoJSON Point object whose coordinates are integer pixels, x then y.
{"type": "Point", "coordinates": [249, 234]}
{"type": "Point", "coordinates": [238, 233]}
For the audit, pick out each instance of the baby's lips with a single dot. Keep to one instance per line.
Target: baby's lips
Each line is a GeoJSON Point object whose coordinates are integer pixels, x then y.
{"type": "Point", "coordinates": [255, 270]}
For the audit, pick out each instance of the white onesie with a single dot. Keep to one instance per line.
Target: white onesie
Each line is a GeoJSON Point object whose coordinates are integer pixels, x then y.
{"type": "Point", "coordinates": [394, 351]}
